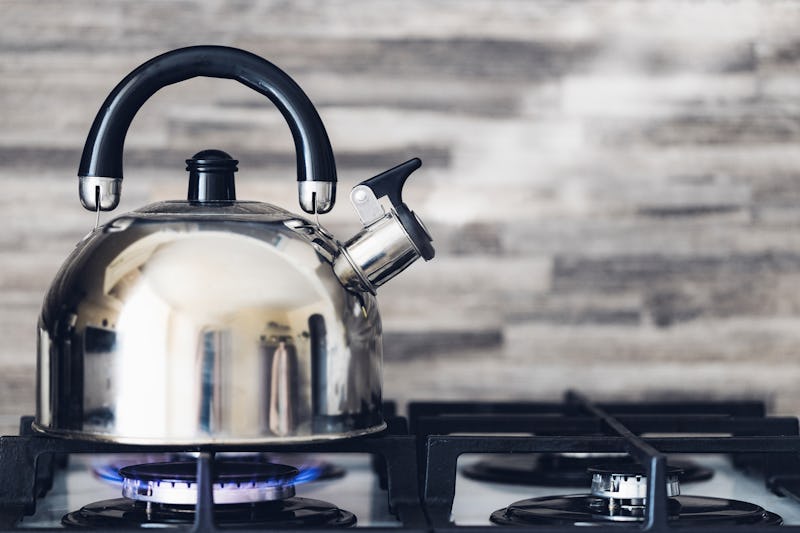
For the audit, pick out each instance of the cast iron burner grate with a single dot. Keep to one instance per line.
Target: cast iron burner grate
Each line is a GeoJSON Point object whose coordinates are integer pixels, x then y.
{"type": "Point", "coordinates": [28, 463]}
{"type": "Point", "coordinates": [740, 430]}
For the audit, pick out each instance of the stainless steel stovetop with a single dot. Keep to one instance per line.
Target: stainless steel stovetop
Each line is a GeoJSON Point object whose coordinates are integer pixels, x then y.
{"type": "Point", "coordinates": [421, 474]}
{"type": "Point", "coordinates": [359, 492]}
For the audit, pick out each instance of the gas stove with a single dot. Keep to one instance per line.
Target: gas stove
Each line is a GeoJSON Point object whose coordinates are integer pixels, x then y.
{"type": "Point", "coordinates": [701, 466]}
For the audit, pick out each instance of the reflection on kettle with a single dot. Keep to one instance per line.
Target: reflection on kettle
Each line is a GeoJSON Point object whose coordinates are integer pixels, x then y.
{"type": "Point", "coordinates": [281, 384]}
{"type": "Point", "coordinates": [213, 347]}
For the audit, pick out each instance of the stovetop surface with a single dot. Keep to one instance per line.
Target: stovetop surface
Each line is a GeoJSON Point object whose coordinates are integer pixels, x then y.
{"type": "Point", "coordinates": [411, 477]}
{"type": "Point", "coordinates": [359, 492]}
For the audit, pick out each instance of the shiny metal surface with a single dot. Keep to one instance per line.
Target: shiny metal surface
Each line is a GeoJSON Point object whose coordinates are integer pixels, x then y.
{"type": "Point", "coordinates": [187, 324]}
{"type": "Point", "coordinates": [316, 196]}
{"type": "Point", "coordinates": [96, 190]}
{"type": "Point", "coordinates": [376, 254]}
{"type": "Point", "coordinates": [367, 205]}
{"type": "Point", "coordinates": [185, 493]}
{"type": "Point", "coordinates": [627, 486]}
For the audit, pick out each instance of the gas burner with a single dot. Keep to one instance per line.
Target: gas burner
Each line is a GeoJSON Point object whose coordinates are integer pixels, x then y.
{"type": "Point", "coordinates": [627, 488]}
{"type": "Point", "coordinates": [292, 512]}
{"type": "Point", "coordinates": [564, 470]}
{"type": "Point", "coordinates": [234, 482]}
{"type": "Point", "coordinates": [252, 493]}
{"type": "Point", "coordinates": [618, 495]}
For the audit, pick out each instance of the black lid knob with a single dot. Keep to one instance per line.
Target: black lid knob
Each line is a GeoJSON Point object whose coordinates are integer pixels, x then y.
{"type": "Point", "coordinates": [211, 176]}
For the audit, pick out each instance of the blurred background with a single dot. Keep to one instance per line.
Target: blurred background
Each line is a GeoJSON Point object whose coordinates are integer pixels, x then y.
{"type": "Point", "coordinates": [613, 187]}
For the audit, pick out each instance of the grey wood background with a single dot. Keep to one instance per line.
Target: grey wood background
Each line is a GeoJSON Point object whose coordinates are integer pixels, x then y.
{"type": "Point", "coordinates": [613, 187]}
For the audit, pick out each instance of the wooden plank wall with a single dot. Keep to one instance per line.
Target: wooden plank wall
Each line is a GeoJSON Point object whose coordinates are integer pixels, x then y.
{"type": "Point", "coordinates": [613, 187]}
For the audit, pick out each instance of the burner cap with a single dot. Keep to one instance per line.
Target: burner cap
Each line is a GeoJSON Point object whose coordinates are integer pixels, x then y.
{"type": "Point", "coordinates": [628, 482]}
{"type": "Point", "coordinates": [234, 482]}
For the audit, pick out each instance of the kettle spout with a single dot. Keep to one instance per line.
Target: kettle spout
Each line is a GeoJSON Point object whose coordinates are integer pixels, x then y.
{"type": "Point", "coordinates": [390, 240]}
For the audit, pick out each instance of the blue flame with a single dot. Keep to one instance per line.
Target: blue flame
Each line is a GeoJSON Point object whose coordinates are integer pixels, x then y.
{"type": "Point", "coordinates": [108, 472]}
{"type": "Point", "coordinates": [307, 474]}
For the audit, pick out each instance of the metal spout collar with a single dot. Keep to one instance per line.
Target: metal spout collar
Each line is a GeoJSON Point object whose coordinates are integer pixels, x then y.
{"type": "Point", "coordinates": [97, 190]}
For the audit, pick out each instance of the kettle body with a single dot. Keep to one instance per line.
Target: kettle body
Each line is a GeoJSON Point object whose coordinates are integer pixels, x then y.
{"type": "Point", "coordinates": [216, 321]}
{"type": "Point", "coordinates": [183, 324]}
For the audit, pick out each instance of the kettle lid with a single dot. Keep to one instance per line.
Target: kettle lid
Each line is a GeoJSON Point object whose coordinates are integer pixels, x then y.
{"type": "Point", "coordinates": [211, 176]}
{"type": "Point", "coordinates": [211, 193]}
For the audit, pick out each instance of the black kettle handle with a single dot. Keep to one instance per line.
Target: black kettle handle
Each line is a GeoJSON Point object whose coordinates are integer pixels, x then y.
{"type": "Point", "coordinates": [101, 164]}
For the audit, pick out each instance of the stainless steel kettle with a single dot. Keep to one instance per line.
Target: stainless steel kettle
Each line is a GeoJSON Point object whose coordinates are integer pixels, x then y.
{"type": "Point", "coordinates": [214, 320]}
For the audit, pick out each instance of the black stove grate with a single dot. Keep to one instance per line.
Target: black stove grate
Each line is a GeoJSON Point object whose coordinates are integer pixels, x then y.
{"type": "Point", "coordinates": [27, 465]}
{"type": "Point", "coordinates": [578, 425]}
{"type": "Point", "coordinates": [417, 461]}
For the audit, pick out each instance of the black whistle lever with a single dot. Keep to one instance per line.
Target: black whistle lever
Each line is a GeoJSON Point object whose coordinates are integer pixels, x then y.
{"type": "Point", "coordinates": [391, 182]}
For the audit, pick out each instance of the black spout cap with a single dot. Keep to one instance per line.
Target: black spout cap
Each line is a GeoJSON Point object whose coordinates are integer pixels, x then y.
{"type": "Point", "coordinates": [211, 177]}
{"type": "Point", "coordinates": [390, 183]}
